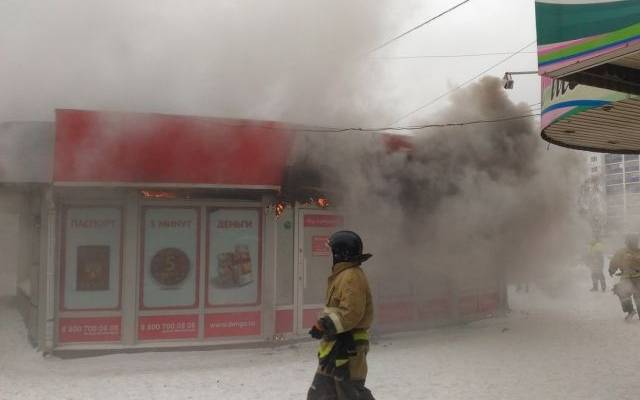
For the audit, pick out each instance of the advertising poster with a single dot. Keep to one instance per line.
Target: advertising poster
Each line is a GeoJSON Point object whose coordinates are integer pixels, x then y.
{"type": "Point", "coordinates": [233, 257]}
{"type": "Point", "coordinates": [170, 262]}
{"type": "Point", "coordinates": [91, 278]}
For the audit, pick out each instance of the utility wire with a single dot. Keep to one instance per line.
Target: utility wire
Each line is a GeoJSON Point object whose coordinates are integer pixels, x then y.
{"type": "Point", "coordinates": [450, 55]}
{"type": "Point", "coordinates": [419, 127]}
{"type": "Point", "coordinates": [432, 101]}
{"type": "Point", "coordinates": [388, 42]}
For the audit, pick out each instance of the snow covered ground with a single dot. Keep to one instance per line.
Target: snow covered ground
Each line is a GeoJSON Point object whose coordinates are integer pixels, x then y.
{"type": "Point", "coordinates": [575, 346]}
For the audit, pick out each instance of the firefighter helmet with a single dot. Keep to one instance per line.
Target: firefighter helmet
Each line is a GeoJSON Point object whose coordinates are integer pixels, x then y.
{"type": "Point", "coordinates": [346, 246]}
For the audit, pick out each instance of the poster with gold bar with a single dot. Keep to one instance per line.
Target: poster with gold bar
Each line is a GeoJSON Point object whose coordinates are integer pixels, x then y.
{"type": "Point", "coordinates": [92, 258]}
{"type": "Point", "coordinates": [93, 268]}
{"type": "Point", "coordinates": [234, 263]}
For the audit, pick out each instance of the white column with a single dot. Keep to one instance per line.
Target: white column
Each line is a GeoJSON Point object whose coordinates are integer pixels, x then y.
{"type": "Point", "coordinates": [268, 269]}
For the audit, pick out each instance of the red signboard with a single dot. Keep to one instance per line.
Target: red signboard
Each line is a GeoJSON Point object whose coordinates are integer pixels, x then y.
{"type": "Point", "coordinates": [232, 324]}
{"type": "Point", "coordinates": [323, 220]}
{"type": "Point", "coordinates": [94, 146]}
{"type": "Point", "coordinates": [319, 246]}
{"type": "Point", "coordinates": [168, 327]}
{"type": "Point", "coordinates": [107, 329]}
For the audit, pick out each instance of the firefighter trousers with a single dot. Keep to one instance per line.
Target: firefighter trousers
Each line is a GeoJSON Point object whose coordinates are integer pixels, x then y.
{"type": "Point", "coordinates": [598, 278]}
{"type": "Point", "coordinates": [339, 386]}
{"type": "Point", "coordinates": [628, 290]}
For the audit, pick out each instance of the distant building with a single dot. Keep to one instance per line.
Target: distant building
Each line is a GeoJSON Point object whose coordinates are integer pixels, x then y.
{"type": "Point", "coordinates": [620, 175]}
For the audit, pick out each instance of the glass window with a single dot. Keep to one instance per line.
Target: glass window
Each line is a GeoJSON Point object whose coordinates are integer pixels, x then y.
{"type": "Point", "coordinates": [633, 188]}
{"type": "Point", "coordinates": [612, 158]}
{"type": "Point", "coordinates": [630, 157]}
{"type": "Point", "coordinates": [614, 179]}
{"type": "Point", "coordinates": [91, 262]}
{"type": "Point", "coordinates": [614, 189]}
{"type": "Point", "coordinates": [614, 168]}
{"type": "Point", "coordinates": [233, 265]}
{"type": "Point", "coordinates": [631, 166]}
{"type": "Point", "coordinates": [594, 158]}
{"type": "Point", "coordinates": [594, 169]}
{"type": "Point", "coordinates": [170, 257]}
{"type": "Point", "coordinates": [632, 177]}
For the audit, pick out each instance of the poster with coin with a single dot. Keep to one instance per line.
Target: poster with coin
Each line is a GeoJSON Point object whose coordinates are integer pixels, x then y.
{"type": "Point", "coordinates": [233, 257]}
{"type": "Point", "coordinates": [170, 258]}
{"type": "Point", "coordinates": [92, 258]}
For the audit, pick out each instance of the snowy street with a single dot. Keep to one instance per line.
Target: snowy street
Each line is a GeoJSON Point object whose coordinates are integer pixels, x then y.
{"type": "Point", "coordinates": [572, 347]}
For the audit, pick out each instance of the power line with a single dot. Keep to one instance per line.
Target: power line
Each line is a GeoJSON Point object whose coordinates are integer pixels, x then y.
{"type": "Point", "coordinates": [419, 127]}
{"type": "Point", "coordinates": [388, 42]}
{"type": "Point", "coordinates": [432, 101]}
{"type": "Point", "coordinates": [450, 55]}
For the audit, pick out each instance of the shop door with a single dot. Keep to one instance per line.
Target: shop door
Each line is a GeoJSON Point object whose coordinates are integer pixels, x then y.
{"type": "Point", "coordinates": [313, 263]}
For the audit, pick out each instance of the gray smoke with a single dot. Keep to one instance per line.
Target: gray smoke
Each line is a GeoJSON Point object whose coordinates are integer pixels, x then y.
{"type": "Point", "coordinates": [276, 60]}
{"type": "Point", "coordinates": [467, 202]}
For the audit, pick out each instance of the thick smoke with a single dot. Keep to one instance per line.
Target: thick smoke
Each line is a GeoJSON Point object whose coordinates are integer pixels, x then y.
{"type": "Point", "coordinates": [466, 202]}
{"type": "Point", "coordinates": [278, 60]}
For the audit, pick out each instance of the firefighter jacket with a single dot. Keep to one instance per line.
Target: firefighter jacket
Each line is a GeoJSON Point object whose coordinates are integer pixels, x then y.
{"type": "Point", "coordinates": [349, 303]}
{"type": "Point", "coordinates": [350, 307]}
{"type": "Point", "coordinates": [627, 261]}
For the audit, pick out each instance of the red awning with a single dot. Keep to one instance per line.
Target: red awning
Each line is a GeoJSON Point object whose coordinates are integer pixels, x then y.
{"type": "Point", "coordinates": [128, 148]}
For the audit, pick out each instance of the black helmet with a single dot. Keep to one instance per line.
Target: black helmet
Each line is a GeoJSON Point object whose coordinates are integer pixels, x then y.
{"type": "Point", "coordinates": [346, 246]}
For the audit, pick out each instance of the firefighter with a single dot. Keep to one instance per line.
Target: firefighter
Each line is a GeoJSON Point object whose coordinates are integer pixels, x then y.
{"type": "Point", "coordinates": [343, 326]}
{"type": "Point", "coordinates": [594, 260]}
{"type": "Point", "coordinates": [627, 262]}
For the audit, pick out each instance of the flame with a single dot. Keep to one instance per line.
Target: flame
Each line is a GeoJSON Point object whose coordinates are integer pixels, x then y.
{"type": "Point", "coordinates": [322, 202]}
{"type": "Point", "coordinates": [279, 208]}
{"type": "Point", "coordinates": [157, 194]}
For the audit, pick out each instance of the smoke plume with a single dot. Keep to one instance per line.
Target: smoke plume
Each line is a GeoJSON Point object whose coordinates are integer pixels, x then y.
{"type": "Point", "coordinates": [466, 203]}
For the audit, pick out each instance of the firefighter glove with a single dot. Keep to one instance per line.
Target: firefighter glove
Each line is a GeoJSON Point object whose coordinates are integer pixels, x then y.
{"type": "Point", "coordinates": [316, 332]}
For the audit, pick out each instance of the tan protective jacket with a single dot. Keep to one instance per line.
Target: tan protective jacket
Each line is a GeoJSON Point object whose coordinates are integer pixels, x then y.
{"type": "Point", "coordinates": [349, 303]}
{"type": "Point", "coordinates": [627, 261]}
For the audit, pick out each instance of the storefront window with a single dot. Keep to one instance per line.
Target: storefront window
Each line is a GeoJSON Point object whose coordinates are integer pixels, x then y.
{"type": "Point", "coordinates": [612, 158]}
{"type": "Point", "coordinates": [633, 187]}
{"type": "Point", "coordinates": [632, 177]}
{"type": "Point", "coordinates": [631, 166]}
{"type": "Point", "coordinates": [91, 259]}
{"type": "Point", "coordinates": [170, 264]}
{"type": "Point", "coordinates": [614, 179]}
{"type": "Point", "coordinates": [233, 257]}
{"type": "Point", "coordinates": [613, 168]}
